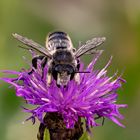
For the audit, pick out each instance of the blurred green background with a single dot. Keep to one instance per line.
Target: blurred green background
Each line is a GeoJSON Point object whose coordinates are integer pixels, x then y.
{"type": "Point", "coordinates": [118, 20]}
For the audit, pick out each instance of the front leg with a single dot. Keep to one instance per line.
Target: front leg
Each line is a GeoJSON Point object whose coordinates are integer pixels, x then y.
{"type": "Point", "coordinates": [77, 78]}
{"type": "Point", "coordinates": [77, 75]}
{"type": "Point", "coordinates": [34, 62]}
{"type": "Point", "coordinates": [49, 77]}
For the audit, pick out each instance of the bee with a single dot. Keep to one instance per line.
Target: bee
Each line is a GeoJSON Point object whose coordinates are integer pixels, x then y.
{"type": "Point", "coordinates": [62, 58]}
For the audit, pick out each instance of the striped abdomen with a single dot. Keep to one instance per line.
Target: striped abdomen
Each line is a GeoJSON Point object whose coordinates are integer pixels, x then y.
{"type": "Point", "coordinates": [58, 40]}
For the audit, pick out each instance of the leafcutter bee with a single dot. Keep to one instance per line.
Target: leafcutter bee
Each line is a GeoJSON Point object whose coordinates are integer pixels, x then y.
{"type": "Point", "coordinates": [60, 55]}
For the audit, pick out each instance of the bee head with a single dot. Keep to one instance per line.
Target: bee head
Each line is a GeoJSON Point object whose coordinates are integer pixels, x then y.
{"type": "Point", "coordinates": [63, 73]}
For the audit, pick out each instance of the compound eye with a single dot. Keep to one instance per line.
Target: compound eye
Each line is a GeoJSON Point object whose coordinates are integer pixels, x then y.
{"type": "Point", "coordinates": [58, 68]}
{"type": "Point", "coordinates": [69, 69]}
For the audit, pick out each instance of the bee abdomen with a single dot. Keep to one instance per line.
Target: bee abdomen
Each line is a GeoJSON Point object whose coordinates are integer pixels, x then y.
{"type": "Point", "coordinates": [58, 40]}
{"type": "Point", "coordinates": [58, 35]}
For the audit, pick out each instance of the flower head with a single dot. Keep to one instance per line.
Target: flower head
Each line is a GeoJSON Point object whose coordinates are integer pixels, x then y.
{"type": "Point", "coordinates": [94, 97]}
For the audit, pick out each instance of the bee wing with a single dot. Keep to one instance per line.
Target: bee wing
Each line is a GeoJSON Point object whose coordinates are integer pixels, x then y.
{"type": "Point", "coordinates": [32, 45]}
{"type": "Point", "coordinates": [94, 51]}
{"type": "Point", "coordinates": [90, 46]}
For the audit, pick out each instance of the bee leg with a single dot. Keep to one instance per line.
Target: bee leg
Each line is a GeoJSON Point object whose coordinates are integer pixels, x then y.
{"type": "Point", "coordinates": [58, 79]}
{"type": "Point", "coordinates": [77, 75]}
{"type": "Point", "coordinates": [49, 78]}
{"type": "Point", "coordinates": [43, 64]}
{"type": "Point", "coordinates": [34, 63]}
{"type": "Point", "coordinates": [77, 78]}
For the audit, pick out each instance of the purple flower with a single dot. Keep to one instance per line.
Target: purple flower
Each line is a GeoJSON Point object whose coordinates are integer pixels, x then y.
{"type": "Point", "coordinates": [94, 97]}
